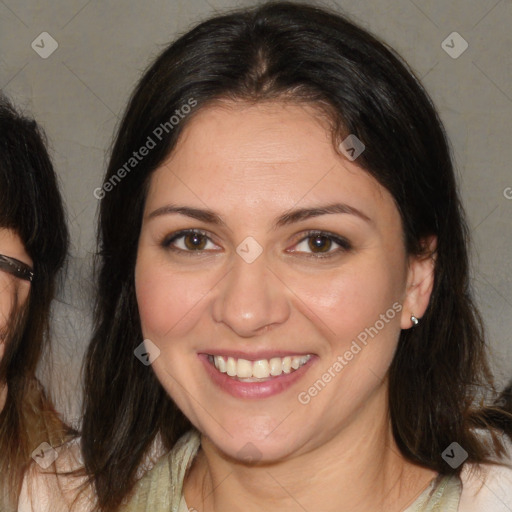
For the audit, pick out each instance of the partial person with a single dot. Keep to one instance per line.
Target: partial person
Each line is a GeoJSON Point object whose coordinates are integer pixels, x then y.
{"type": "Point", "coordinates": [33, 247]}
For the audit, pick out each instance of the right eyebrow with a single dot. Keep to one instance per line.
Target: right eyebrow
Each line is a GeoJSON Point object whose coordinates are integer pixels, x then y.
{"type": "Point", "coordinates": [207, 216]}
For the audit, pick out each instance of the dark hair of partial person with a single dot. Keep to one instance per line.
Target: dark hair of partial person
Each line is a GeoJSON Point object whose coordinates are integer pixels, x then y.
{"type": "Point", "coordinates": [30, 206]}
{"type": "Point", "coordinates": [295, 53]}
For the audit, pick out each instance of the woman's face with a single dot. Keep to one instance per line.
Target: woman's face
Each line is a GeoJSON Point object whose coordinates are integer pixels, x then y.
{"type": "Point", "coordinates": [13, 291]}
{"type": "Point", "coordinates": [263, 251]}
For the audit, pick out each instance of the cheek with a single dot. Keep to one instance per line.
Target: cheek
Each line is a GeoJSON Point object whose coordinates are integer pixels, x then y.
{"type": "Point", "coordinates": [6, 304]}
{"type": "Point", "coordinates": [168, 302]}
{"type": "Point", "coordinates": [12, 298]}
{"type": "Point", "coordinates": [350, 299]}
{"type": "Point", "coordinates": [358, 313]}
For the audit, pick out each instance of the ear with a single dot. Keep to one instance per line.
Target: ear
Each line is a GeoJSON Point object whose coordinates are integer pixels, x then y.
{"type": "Point", "coordinates": [420, 282]}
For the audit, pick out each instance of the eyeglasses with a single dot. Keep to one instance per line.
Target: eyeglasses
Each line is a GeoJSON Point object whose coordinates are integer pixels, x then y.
{"type": "Point", "coordinates": [16, 268]}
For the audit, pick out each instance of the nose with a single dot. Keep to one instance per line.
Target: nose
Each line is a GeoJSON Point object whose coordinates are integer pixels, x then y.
{"type": "Point", "coordinates": [252, 299]}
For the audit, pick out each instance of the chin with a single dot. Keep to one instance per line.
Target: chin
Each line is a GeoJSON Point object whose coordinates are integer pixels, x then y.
{"type": "Point", "coordinates": [252, 442]}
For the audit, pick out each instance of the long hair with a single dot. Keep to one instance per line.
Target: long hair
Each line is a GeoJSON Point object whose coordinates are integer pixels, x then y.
{"type": "Point", "coordinates": [292, 52]}
{"type": "Point", "coordinates": [30, 206]}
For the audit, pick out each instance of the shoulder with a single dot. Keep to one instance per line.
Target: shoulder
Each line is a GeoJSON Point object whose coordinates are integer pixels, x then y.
{"type": "Point", "coordinates": [174, 463]}
{"type": "Point", "coordinates": [488, 487]}
{"type": "Point", "coordinates": [55, 481]}
{"type": "Point", "coordinates": [160, 488]}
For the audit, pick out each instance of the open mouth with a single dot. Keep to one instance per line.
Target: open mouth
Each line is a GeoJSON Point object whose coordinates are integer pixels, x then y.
{"type": "Point", "coordinates": [261, 370]}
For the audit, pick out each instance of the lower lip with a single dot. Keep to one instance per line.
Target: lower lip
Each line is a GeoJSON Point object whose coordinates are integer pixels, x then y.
{"type": "Point", "coordinates": [263, 389]}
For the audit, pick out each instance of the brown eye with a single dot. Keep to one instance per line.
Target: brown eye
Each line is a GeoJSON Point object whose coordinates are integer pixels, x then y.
{"type": "Point", "coordinates": [189, 241]}
{"type": "Point", "coordinates": [195, 241]}
{"type": "Point", "coordinates": [319, 243]}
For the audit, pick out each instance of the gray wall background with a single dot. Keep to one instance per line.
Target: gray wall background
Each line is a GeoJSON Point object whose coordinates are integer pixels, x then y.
{"type": "Point", "coordinates": [78, 94]}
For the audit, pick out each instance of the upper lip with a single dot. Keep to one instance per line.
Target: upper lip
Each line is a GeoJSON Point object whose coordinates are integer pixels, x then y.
{"type": "Point", "coordinates": [254, 356]}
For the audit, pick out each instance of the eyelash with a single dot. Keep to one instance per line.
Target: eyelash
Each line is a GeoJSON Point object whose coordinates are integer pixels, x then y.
{"type": "Point", "coordinates": [344, 244]}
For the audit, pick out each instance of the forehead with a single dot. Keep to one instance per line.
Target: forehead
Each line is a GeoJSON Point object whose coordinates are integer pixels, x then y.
{"type": "Point", "coordinates": [254, 136]}
{"type": "Point", "coordinates": [271, 155]}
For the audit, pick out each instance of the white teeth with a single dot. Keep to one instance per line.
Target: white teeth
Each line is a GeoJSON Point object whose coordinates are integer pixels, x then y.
{"type": "Point", "coordinates": [276, 366]}
{"type": "Point", "coordinates": [244, 369]}
{"type": "Point", "coordinates": [220, 364]}
{"type": "Point", "coordinates": [231, 367]}
{"type": "Point", "coordinates": [261, 369]}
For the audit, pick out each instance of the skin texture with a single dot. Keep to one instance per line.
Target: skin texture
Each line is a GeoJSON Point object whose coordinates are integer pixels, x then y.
{"type": "Point", "coordinates": [251, 164]}
{"type": "Point", "coordinates": [10, 288]}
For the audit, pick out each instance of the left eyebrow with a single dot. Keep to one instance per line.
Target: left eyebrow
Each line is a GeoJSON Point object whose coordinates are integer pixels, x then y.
{"type": "Point", "coordinates": [308, 213]}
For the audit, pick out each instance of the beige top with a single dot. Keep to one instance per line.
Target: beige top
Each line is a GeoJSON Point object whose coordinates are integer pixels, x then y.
{"type": "Point", "coordinates": [486, 488]}
{"type": "Point", "coordinates": [154, 494]}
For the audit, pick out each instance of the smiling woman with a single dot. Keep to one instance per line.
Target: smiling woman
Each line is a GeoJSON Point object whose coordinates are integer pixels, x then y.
{"type": "Point", "coordinates": [299, 229]}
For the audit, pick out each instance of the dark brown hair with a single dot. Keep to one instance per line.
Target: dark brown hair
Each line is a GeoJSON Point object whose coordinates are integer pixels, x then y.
{"type": "Point", "coordinates": [292, 51]}
{"type": "Point", "coordinates": [31, 206]}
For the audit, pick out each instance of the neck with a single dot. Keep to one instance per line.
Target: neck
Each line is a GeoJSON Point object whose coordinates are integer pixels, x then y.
{"type": "Point", "coordinates": [357, 469]}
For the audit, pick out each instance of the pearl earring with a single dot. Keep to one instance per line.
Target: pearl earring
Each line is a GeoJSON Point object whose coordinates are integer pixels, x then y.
{"type": "Point", "coordinates": [414, 320]}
